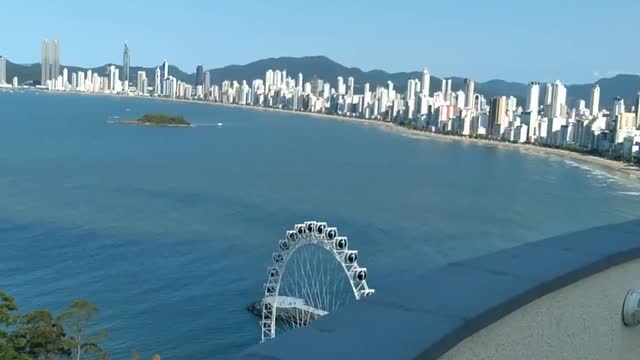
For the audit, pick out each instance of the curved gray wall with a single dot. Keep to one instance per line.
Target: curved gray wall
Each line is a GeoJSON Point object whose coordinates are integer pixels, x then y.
{"type": "Point", "coordinates": [580, 321]}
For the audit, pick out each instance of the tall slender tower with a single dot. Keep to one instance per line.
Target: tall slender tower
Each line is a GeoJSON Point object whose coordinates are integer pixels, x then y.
{"type": "Point", "coordinates": [165, 70]}
{"type": "Point", "coordinates": [594, 103]}
{"type": "Point", "coordinates": [470, 86]}
{"type": "Point", "coordinates": [350, 86]}
{"type": "Point", "coordinates": [3, 70]}
{"type": "Point", "coordinates": [125, 63]}
{"type": "Point", "coordinates": [559, 100]}
{"type": "Point", "coordinates": [45, 63]}
{"type": "Point", "coordinates": [207, 83]}
{"type": "Point", "coordinates": [497, 115]}
{"type": "Point", "coordinates": [426, 82]}
{"type": "Point", "coordinates": [55, 60]}
{"type": "Point", "coordinates": [157, 84]}
{"type": "Point", "coordinates": [533, 97]}
{"type": "Point", "coordinates": [199, 76]}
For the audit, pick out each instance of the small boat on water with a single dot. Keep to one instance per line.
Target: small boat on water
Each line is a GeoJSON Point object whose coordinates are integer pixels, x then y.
{"type": "Point", "coordinates": [219, 124]}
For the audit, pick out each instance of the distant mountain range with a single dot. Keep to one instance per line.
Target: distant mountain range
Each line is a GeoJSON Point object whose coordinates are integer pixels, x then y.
{"type": "Point", "coordinates": [625, 86]}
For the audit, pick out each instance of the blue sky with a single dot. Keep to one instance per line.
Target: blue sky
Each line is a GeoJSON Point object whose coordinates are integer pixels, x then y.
{"type": "Point", "coordinates": [572, 40]}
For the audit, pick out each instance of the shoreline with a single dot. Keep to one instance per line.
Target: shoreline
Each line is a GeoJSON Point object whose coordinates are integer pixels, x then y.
{"type": "Point", "coordinates": [620, 169]}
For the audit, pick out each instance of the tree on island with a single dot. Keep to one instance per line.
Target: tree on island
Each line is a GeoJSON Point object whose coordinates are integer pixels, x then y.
{"type": "Point", "coordinates": [162, 119]}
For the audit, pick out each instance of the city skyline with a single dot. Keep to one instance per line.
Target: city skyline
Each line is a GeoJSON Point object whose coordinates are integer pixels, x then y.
{"type": "Point", "coordinates": [464, 112]}
{"type": "Point", "coordinates": [433, 33]}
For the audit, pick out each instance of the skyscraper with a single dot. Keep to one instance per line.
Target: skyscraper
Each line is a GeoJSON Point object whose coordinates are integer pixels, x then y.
{"type": "Point", "coordinates": [497, 115]}
{"type": "Point", "coordinates": [300, 79]}
{"type": "Point", "coordinates": [316, 86]}
{"type": "Point", "coordinates": [157, 85]}
{"type": "Point", "coordinates": [45, 63]}
{"type": "Point", "coordinates": [207, 83]}
{"type": "Point", "coordinates": [142, 82]}
{"type": "Point", "coordinates": [559, 101]}
{"type": "Point", "coordinates": [340, 86]}
{"type": "Point", "coordinates": [594, 103]}
{"type": "Point", "coordinates": [125, 63]}
{"type": "Point", "coordinates": [426, 82]}
{"type": "Point", "coordinates": [199, 76]}
{"type": "Point", "coordinates": [470, 93]}
{"type": "Point", "coordinates": [350, 85]}
{"type": "Point", "coordinates": [3, 70]}
{"type": "Point", "coordinates": [411, 89]}
{"type": "Point", "coordinates": [55, 59]}
{"type": "Point", "coordinates": [268, 80]}
{"type": "Point", "coordinates": [533, 97]}
{"type": "Point", "coordinates": [165, 70]}
{"type": "Point", "coordinates": [447, 89]}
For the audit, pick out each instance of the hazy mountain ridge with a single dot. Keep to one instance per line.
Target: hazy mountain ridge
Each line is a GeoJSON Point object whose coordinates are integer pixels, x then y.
{"type": "Point", "coordinates": [623, 85]}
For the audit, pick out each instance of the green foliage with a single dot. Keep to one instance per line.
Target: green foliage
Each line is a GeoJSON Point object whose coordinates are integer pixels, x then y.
{"type": "Point", "coordinates": [162, 119]}
{"type": "Point", "coordinates": [77, 319]}
{"type": "Point", "coordinates": [41, 336]}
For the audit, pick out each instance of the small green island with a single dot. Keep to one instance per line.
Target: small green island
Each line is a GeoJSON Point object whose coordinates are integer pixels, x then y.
{"type": "Point", "coordinates": [162, 120]}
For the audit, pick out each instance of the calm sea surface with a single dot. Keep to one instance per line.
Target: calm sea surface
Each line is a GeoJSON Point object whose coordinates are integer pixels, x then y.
{"type": "Point", "coordinates": [169, 231]}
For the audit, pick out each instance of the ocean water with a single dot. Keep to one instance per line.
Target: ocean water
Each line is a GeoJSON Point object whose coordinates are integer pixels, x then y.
{"type": "Point", "coordinates": [169, 231]}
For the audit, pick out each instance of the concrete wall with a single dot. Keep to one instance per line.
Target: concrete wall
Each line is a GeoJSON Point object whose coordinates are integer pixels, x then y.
{"type": "Point", "coordinates": [580, 321]}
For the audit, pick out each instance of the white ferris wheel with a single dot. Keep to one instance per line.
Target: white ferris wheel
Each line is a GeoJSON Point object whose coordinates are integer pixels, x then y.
{"type": "Point", "coordinates": [313, 273]}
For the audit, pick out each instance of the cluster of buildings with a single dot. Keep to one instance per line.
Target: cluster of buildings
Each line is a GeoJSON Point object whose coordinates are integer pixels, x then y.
{"type": "Point", "coordinates": [545, 118]}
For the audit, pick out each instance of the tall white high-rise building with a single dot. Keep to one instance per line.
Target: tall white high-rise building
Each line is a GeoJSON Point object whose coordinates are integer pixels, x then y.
{"type": "Point", "coordinates": [446, 91]}
{"type": "Point", "coordinates": [548, 94]}
{"type": "Point", "coordinates": [141, 83]}
{"type": "Point", "coordinates": [594, 102]}
{"type": "Point", "coordinates": [45, 63]}
{"type": "Point", "coordinates": [351, 83]}
{"type": "Point", "coordinates": [3, 70]}
{"type": "Point", "coordinates": [426, 82]}
{"type": "Point", "coordinates": [81, 82]}
{"type": "Point", "coordinates": [559, 101]}
{"type": "Point", "coordinates": [533, 97]}
{"type": "Point", "coordinates": [268, 80]}
{"type": "Point", "coordinates": [618, 106]}
{"type": "Point", "coordinates": [157, 85]}
{"type": "Point", "coordinates": [112, 78]}
{"type": "Point", "coordinates": [461, 98]}
{"type": "Point", "coordinates": [74, 81]}
{"type": "Point", "coordinates": [512, 104]}
{"type": "Point", "coordinates": [411, 89]}
{"type": "Point", "coordinates": [277, 79]}
{"type": "Point", "coordinates": [470, 93]}
{"type": "Point", "coordinates": [165, 70]}
{"type": "Point", "coordinates": [300, 81]}
{"type": "Point", "coordinates": [65, 77]}
{"type": "Point", "coordinates": [340, 86]}
{"type": "Point", "coordinates": [55, 59]}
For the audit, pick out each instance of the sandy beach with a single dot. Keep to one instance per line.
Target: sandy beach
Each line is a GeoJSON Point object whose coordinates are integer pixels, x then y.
{"type": "Point", "coordinates": [619, 169]}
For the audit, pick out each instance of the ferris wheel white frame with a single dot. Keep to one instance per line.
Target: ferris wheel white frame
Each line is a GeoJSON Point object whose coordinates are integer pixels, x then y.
{"type": "Point", "coordinates": [310, 233]}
